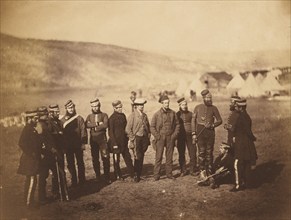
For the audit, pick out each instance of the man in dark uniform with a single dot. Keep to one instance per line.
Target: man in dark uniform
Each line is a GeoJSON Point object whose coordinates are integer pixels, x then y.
{"type": "Point", "coordinates": [55, 128]}
{"type": "Point", "coordinates": [75, 136]}
{"type": "Point", "coordinates": [118, 140]}
{"type": "Point", "coordinates": [48, 153]}
{"type": "Point", "coordinates": [30, 144]}
{"type": "Point", "coordinates": [244, 151]}
{"type": "Point", "coordinates": [185, 138]}
{"type": "Point", "coordinates": [97, 122]}
{"type": "Point", "coordinates": [165, 128]}
{"type": "Point", "coordinates": [205, 119]}
{"type": "Point", "coordinates": [223, 166]}
{"type": "Point", "coordinates": [232, 119]}
{"type": "Point", "coordinates": [223, 170]}
{"type": "Point", "coordinates": [138, 131]}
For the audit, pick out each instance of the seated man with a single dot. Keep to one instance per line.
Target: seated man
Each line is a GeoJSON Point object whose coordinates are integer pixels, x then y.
{"type": "Point", "coordinates": [223, 168]}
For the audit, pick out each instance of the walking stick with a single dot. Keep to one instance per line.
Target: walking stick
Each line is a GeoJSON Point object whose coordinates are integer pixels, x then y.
{"type": "Point", "coordinates": [65, 187]}
{"type": "Point", "coordinates": [59, 179]}
{"type": "Point", "coordinates": [208, 177]}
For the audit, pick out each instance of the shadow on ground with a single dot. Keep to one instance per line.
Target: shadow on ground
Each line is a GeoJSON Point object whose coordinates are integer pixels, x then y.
{"type": "Point", "coordinates": [266, 173]}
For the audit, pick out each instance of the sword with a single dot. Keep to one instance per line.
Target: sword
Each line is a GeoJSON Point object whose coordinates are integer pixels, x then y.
{"type": "Point", "coordinates": [59, 179]}
{"type": "Point", "coordinates": [208, 177]}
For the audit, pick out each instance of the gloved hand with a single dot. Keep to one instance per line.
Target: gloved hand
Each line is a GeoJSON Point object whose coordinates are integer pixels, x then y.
{"type": "Point", "coordinates": [194, 138]}
{"type": "Point", "coordinates": [131, 145]}
{"type": "Point", "coordinates": [209, 125]}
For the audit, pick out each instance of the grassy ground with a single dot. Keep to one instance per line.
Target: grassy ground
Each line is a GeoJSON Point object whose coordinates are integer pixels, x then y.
{"type": "Point", "coordinates": [165, 199]}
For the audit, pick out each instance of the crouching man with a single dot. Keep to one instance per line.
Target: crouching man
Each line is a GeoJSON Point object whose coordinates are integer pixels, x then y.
{"type": "Point", "coordinates": [223, 168]}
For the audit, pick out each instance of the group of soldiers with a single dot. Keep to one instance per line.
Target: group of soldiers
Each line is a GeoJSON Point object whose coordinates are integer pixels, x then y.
{"type": "Point", "coordinates": [46, 138]}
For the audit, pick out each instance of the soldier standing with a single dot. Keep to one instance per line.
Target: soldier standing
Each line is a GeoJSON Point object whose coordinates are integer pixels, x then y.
{"type": "Point", "coordinates": [232, 119]}
{"type": "Point", "coordinates": [30, 144]}
{"type": "Point", "coordinates": [185, 138]}
{"type": "Point", "coordinates": [205, 119]}
{"type": "Point", "coordinates": [138, 131]}
{"type": "Point", "coordinates": [118, 140]}
{"type": "Point", "coordinates": [75, 136]}
{"type": "Point", "coordinates": [55, 128]}
{"type": "Point", "coordinates": [164, 127]}
{"type": "Point", "coordinates": [48, 153]}
{"type": "Point", "coordinates": [244, 149]}
{"type": "Point", "coordinates": [97, 122]}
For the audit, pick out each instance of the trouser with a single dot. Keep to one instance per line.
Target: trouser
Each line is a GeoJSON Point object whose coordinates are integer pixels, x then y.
{"type": "Point", "coordinates": [29, 189]}
{"type": "Point", "coordinates": [242, 172]}
{"type": "Point", "coordinates": [142, 144]}
{"type": "Point", "coordinates": [71, 154]}
{"type": "Point", "coordinates": [225, 177]}
{"type": "Point", "coordinates": [164, 141]}
{"type": "Point", "coordinates": [183, 140]}
{"type": "Point", "coordinates": [100, 146]}
{"type": "Point", "coordinates": [46, 164]}
{"type": "Point", "coordinates": [128, 162]}
{"type": "Point", "coordinates": [205, 149]}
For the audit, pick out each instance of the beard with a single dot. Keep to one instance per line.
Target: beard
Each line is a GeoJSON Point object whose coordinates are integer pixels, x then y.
{"type": "Point", "coordinates": [208, 103]}
{"type": "Point", "coordinates": [95, 112]}
{"type": "Point", "coordinates": [231, 108]}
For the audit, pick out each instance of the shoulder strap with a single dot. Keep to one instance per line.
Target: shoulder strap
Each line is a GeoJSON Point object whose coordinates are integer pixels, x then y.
{"type": "Point", "coordinates": [70, 120]}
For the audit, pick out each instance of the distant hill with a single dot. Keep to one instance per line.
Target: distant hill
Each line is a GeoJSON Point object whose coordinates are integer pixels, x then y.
{"type": "Point", "coordinates": [32, 64]}
{"type": "Point", "coordinates": [49, 64]}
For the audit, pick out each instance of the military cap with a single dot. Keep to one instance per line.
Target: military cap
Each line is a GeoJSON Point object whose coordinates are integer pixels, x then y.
{"type": "Point", "coordinates": [181, 100]}
{"type": "Point", "coordinates": [163, 98]}
{"type": "Point", "coordinates": [242, 102]}
{"type": "Point", "coordinates": [95, 102]}
{"type": "Point", "coordinates": [31, 113]}
{"type": "Point", "coordinates": [204, 92]}
{"type": "Point", "coordinates": [42, 110]}
{"type": "Point", "coordinates": [53, 107]}
{"type": "Point", "coordinates": [140, 101]}
{"type": "Point", "coordinates": [235, 98]}
{"type": "Point", "coordinates": [116, 103]}
{"type": "Point", "coordinates": [225, 145]}
{"type": "Point", "coordinates": [69, 104]}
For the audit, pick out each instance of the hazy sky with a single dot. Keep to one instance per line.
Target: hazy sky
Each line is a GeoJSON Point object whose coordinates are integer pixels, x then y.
{"type": "Point", "coordinates": [155, 26]}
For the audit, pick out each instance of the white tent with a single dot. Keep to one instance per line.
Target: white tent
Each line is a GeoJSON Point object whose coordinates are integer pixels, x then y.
{"type": "Point", "coordinates": [251, 88]}
{"type": "Point", "coordinates": [270, 83]}
{"type": "Point", "coordinates": [236, 82]}
{"type": "Point", "coordinates": [180, 91]}
{"type": "Point", "coordinates": [259, 78]}
{"type": "Point", "coordinates": [196, 85]}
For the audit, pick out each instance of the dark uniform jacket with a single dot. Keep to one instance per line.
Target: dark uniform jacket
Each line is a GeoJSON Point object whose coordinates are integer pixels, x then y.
{"type": "Point", "coordinates": [116, 131]}
{"type": "Point", "coordinates": [231, 123]}
{"type": "Point", "coordinates": [185, 119]}
{"type": "Point", "coordinates": [244, 139]}
{"type": "Point", "coordinates": [55, 128]}
{"type": "Point", "coordinates": [47, 139]}
{"type": "Point", "coordinates": [166, 123]}
{"type": "Point", "coordinates": [203, 115]}
{"type": "Point", "coordinates": [30, 144]}
{"type": "Point", "coordinates": [75, 133]}
{"type": "Point", "coordinates": [97, 129]}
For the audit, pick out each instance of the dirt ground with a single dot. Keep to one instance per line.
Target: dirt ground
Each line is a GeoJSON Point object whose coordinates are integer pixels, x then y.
{"type": "Point", "coordinates": [165, 199]}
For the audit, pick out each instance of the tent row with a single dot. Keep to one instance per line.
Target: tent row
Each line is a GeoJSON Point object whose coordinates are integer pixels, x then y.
{"type": "Point", "coordinates": [249, 87]}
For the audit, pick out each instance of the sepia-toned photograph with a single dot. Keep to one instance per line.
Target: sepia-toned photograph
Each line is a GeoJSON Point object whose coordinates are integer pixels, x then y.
{"type": "Point", "coordinates": [145, 110]}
